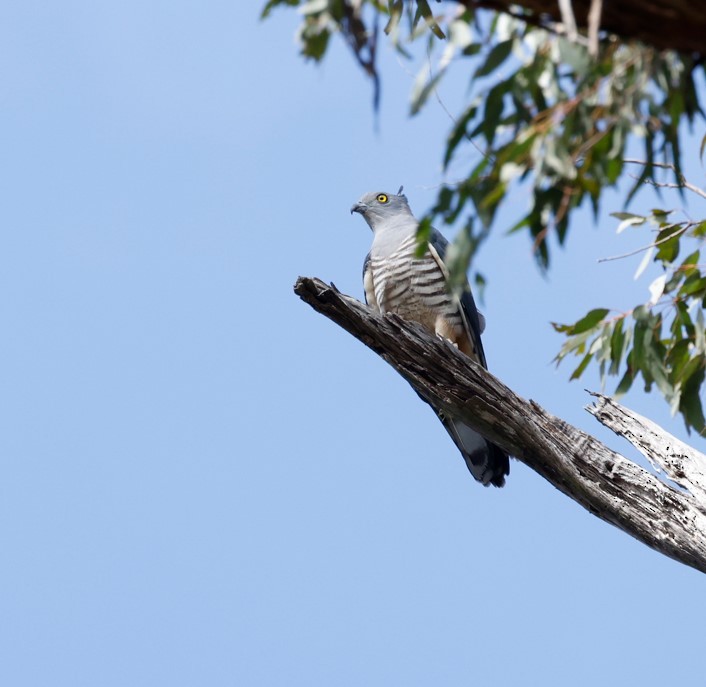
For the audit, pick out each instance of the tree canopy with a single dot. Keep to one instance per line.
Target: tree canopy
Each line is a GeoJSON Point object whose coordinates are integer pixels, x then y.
{"type": "Point", "coordinates": [562, 95]}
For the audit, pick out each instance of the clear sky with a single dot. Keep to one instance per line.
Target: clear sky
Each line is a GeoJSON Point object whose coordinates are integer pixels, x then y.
{"type": "Point", "coordinates": [202, 481]}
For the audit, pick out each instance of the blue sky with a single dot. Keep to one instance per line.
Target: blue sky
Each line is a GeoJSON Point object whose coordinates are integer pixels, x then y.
{"type": "Point", "coordinates": [203, 482]}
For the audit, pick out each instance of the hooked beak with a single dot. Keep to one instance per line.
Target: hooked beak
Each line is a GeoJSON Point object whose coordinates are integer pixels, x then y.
{"type": "Point", "coordinates": [358, 207]}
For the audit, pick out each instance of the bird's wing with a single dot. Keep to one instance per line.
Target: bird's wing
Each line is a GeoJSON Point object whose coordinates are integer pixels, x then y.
{"type": "Point", "coordinates": [486, 462]}
{"type": "Point", "coordinates": [473, 321]}
{"type": "Point", "coordinates": [368, 285]}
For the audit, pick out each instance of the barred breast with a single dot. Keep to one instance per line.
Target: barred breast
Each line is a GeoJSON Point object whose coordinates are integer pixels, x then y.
{"type": "Point", "coordinates": [415, 289]}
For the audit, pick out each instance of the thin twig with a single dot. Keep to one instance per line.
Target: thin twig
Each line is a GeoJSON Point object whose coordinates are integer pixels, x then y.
{"type": "Point", "coordinates": [594, 23]}
{"type": "Point", "coordinates": [662, 165]}
{"type": "Point", "coordinates": [465, 135]}
{"type": "Point", "coordinates": [651, 245]}
{"type": "Point", "coordinates": [446, 110]}
{"type": "Point", "coordinates": [568, 19]}
{"type": "Point", "coordinates": [683, 183]}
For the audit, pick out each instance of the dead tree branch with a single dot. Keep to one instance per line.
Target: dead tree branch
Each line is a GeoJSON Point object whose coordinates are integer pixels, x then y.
{"type": "Point", "coordinates": [610, 486]}
{"type": "Point", "coordinates": [666, 24]}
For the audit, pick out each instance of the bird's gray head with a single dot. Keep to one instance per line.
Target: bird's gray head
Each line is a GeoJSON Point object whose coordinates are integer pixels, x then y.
{"type": "Point", "coordinates": [378, 207]}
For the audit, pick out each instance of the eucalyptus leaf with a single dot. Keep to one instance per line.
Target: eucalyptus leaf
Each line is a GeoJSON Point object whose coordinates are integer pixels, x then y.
{"type": "Point", "coordinates": [590, 320]}
{"type": "Point", "coordinates": [497, 55]}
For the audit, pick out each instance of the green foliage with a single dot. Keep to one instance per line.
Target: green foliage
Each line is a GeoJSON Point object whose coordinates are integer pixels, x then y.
{"type": "Point", "coordinates": [547, 112]}
{"type": "Point", "coordinates": [662, 340]}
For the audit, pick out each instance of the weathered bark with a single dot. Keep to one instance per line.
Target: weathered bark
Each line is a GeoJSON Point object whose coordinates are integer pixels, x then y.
{"type": "Point", "coordinates": [610, 486]}
{"type": "Point", "coordinates": [682, 464]}
{"type": "Point", "coordinates": [666, 24]}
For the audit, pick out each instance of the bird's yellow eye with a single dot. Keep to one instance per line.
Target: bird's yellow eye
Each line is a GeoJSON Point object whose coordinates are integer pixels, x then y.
{"type": "Point", "coordinates": [382, 198]}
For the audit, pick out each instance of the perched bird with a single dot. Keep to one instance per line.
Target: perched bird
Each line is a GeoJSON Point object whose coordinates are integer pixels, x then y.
{"type": "Point", "coordinates": [397, 281]}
